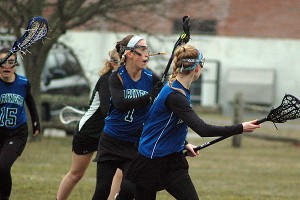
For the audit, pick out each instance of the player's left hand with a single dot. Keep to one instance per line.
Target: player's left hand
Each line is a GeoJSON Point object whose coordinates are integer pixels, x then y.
{"type": "Point", "coordinates": [190, 150]}
{"type": "Point", "coordinates": [36, 128]}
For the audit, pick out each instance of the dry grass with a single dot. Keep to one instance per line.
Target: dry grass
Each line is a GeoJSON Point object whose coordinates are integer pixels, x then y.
{"type": "Point", "coordinates": [260, 169]}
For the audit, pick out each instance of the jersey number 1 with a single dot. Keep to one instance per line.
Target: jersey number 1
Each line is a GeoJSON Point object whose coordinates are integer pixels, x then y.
{"type": "Point", "coordinates": [129, 116]}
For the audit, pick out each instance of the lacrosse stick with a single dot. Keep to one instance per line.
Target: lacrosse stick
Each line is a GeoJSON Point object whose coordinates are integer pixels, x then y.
{"type": "Point", "coordinates": [69, 114]}
{"type": "Point", "coordinates": [288, 110]}
{"type": "Point", "coordinates": [183, 39]}
{"type": "Point", "coordinates": [37, 29]}
{"type": "Point", "coordinates": [158, 54]}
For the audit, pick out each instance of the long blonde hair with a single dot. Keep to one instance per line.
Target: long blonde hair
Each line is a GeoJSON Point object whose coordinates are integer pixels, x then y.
{"type": "Point", "coordinates": [107, 62]}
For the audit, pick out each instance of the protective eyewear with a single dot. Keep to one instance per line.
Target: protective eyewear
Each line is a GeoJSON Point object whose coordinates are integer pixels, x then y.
{"type": "Point", "coordinates": [202, 62]}
{"type": "Point", "coordinates": [199, 61]}
{"type": "Point", "coordinates": [143, 49]}
{"type": "Point", "coordinates": [114, 61]}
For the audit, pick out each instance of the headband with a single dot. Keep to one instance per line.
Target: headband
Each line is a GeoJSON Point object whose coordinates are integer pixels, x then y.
{"type": "Point", "coordinates": [132, 42]}
{"type": "Point", "coordinates": [200, 59]}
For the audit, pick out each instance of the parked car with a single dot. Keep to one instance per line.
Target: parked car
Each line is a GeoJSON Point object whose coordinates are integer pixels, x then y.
{"type": "Point", "coordinates": [62, 75]}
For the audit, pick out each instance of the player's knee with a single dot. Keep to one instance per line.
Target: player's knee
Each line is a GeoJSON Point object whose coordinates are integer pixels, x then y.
{"type": "Point", "coordinates": [76, 175]}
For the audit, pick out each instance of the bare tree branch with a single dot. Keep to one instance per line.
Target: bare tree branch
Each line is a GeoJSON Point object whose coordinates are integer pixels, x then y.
{"type": "Point", "coordinates": [62, 15]}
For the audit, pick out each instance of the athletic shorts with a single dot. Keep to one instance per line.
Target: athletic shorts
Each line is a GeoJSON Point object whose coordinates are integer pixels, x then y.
{"type": "Point", "coordinates": [157, 174]}
{"type": "Point", "coordinates": [16, 142]}
{"type": "Point", "coordinates": [114, 149]}
{"type": "Point", "coordinates": [83, 144]}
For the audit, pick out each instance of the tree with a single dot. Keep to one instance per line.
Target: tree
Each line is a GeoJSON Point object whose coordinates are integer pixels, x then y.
{"type": "Point", "coordinates": [62, 15]}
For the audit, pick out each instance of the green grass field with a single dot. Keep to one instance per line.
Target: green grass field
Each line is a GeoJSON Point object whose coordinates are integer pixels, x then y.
{"type": "Point", "coordinates": [259, 169]}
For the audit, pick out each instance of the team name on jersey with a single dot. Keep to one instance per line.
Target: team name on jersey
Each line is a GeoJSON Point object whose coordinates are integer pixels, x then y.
{"type": "Point", "coordinates": [179, 121]}
{"type": "Point", "coordinates": [134, 93]}
{"type": "Point", "coordinates": [12, 98]}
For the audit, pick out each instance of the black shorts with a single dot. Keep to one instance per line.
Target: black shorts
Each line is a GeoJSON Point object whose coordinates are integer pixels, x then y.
{"type": "Point", "coordinates": [83, 144]}
{"type": "Point", "coordinates": [113, 149]}
{"type": "Point", "coordinates": [158, 174]}
{"type": "Point", "coordinates": [14, 140]}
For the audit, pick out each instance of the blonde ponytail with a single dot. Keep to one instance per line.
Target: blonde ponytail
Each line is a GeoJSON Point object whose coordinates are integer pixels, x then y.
{"type": "Point", "coordinates": [107, 62]}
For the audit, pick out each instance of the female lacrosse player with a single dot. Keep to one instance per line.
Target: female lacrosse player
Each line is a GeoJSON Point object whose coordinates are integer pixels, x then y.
{"type": "Point", "coordinates": [132, 88]}
{"type": "Point", "coordinates": [160, 163]}
{"type": "Point", "coordinates": [89, 128]}
{"type": "Point", "coordinates": [15, 91]}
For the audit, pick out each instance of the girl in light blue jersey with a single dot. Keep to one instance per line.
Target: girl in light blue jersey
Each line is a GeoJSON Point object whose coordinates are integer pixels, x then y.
{"type": "Point", "coordinates": [160, 163]}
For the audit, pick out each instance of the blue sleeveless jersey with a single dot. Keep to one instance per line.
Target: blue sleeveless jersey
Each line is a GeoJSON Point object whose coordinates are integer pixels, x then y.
{"type": "Point", "coordinates": [125, 125]}
{"type": "Point", "coordinates": [12, 99]}
{"type": "Point", "coordinates": [164, 133]}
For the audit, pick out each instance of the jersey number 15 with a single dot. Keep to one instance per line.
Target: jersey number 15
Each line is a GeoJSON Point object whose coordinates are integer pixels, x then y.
{"type": "Point", "coordinates": [8, 117]}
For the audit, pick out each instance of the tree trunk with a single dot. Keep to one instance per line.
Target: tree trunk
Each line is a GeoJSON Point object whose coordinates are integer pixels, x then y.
{"type": "Point", "coordinates": [34, 64]}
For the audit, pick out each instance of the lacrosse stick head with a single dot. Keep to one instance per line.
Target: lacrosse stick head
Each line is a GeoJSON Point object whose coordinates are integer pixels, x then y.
{"type": "Point", "coordinates": [37, 29]}
{"type": "Point", "coordinates": [69, 114]}
{"type": "Point", "coordinates": [185, 36]}
{"type": "Point", "coordinates": [288, 110]}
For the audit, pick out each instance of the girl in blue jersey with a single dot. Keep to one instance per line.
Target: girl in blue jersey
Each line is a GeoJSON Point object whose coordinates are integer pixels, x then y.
{"type": "Point", "coordinates": [160, 163]}
{"type": "Point", "coordinates": [14, 93]}
{"type": "Point", "coordinates": [132, 89]}
{"type": "Point", "coordinates": [86, 139]}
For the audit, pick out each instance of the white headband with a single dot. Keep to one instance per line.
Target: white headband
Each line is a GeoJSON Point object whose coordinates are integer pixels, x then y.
{"type": "Point", "coordinates": [135, 39]}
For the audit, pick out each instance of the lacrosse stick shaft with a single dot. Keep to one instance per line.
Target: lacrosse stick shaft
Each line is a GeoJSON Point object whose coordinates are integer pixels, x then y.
{"type": "Point", "coordinates": [167, 69]}
{"type": "Point", "coordinates": [157, 54]}
{"type": "Point", "coordinates": [183, 36]}
{"type": "Point", "coordinates": [207, 144]}
{"type": "Point", "coordinates": [170, 61]}
{"type": "Point", "coordinates": [5, 58]}
{"type": "Point", "coordinates": [262, 120]}
{"type": "Point", "coordinates": [288, 110]}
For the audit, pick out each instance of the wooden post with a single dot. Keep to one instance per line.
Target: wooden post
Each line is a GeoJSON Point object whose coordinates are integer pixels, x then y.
{"type": "Point", "coordinates": [238, 107]}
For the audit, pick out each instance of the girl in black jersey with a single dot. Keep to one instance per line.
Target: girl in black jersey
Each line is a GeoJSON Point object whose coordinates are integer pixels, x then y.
{"type": "Point", "coordinates": [160, 163]}
{"type": "Point", "coordinates": [86, 138]}
{"type": "Point", "coordinates": [14, 93]}
{"type": "Point", "coordinates": [132, 88]}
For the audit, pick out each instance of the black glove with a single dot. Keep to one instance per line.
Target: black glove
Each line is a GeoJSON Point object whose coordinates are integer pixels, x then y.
{"type": "Point", "coordinates": [156, 89]}
{"type": "Point", "coordinates": [36, 127]}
